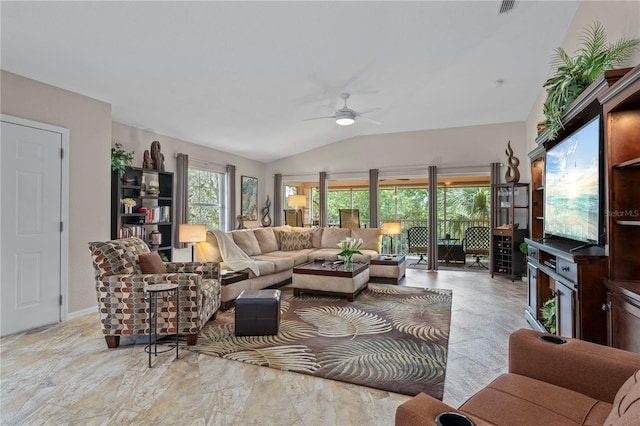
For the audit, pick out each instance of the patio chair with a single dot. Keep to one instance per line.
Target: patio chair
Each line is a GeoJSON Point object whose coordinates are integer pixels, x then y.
{"type": "Point", "coordinates": [292, 217]}
{"type": "Point", "coordinates": [476, 241]}
{"type": "Point", "coordinates": [418, 242]}
{"type": "Point", "coordinates": [349, 218]}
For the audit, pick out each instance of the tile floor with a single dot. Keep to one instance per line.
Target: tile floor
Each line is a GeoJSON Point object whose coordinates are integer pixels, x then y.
{"type": "Point", "coordinates": [64, 374]}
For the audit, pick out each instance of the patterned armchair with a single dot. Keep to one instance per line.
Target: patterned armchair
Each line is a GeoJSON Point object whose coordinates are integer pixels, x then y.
{"type": "Point", "coordinates": [121, 299]}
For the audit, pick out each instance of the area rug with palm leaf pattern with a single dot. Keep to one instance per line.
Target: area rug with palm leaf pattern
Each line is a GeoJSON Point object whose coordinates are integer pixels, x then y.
{"type": "Point", "coordinates": [391, 337]}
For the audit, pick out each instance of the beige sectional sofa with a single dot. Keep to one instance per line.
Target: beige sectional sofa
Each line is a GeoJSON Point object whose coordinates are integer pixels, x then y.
{"type": "Point", "coordinates": [276, 250]}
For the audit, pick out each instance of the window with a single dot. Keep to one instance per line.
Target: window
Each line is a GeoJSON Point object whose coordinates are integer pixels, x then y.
{"type": "Point", "coordinates": [206, 198]}
{"type": "Point", "coordinates": [347, 198]}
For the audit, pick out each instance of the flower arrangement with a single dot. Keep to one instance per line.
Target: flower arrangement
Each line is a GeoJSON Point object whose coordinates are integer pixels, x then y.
{"type": "Point", "coordinates": [349, 247]}
{"type": "Point", "coordinates": [128, 204]}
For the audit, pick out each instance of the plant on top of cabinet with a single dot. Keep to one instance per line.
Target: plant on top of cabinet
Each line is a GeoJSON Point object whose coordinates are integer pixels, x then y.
{"type": "Point", "coordinates": [120, 159]}
{"type": "Point", "coordinates": [573, 75]}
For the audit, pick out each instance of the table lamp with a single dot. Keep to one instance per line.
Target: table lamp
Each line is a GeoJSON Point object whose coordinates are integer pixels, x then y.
{"type": "Point", "coordinates": [391, 229]}
{"type": "Point", "coordinates": [191, 233]}
{"type": "Point", "coordinates": [298, 201]}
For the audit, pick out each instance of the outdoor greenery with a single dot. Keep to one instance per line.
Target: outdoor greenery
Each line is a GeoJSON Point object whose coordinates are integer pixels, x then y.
{"type": "Point", "coordinates": [574, 74]}
{"type": "Point", "coordinates": [205, 193]}
{"type": "Point", "coordinates": [463, 204]}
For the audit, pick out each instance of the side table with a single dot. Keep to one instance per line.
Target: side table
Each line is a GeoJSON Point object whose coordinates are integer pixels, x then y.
{"type": "Point", "coordinates": [388, 267]}
{"type": "Point", "coordinates": [167, 291]}
{"type": "Point", "coordinates": [449, 243]}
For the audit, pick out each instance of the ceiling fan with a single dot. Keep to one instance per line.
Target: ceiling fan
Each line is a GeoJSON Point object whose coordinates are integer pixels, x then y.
{"type": "Point", "coordinates": [346, 116]}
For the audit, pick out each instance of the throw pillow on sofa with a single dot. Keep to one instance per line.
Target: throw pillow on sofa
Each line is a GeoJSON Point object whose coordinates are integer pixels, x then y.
{"type": "Point", "coordinates": [295, 241]}
{"type": "Point", "coordinates": [150, 263]}
{"type": "Point", "coordinates": [247, 241]}
{"type": "Point", "coordinates": [316, 235]}
{"type": "Point", "coordinates": [266, 239]}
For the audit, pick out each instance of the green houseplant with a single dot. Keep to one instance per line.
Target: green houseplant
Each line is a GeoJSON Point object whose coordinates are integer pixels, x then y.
{"type": "Point", "coordinates": [574, 74]}
{"type": "Point", "coordinates": [548, 312]}
{"type": "Point", "coordinates": [120, 159]}
{"type": "Point", "coordinates": [524, 249]}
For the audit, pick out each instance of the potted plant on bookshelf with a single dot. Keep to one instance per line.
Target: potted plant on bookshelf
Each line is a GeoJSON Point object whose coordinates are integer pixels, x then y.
{"type": "Point", "coordinates": [574, 75]}
{"type": "Point", "coordinates": [120, 159]}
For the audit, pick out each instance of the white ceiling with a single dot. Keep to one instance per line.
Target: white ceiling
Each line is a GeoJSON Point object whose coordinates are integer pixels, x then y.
{"type": "Point", "coordinates": [241, 77]}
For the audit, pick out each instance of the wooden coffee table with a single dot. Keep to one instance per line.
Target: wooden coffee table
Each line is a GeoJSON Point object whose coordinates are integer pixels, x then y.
{"type": "Point", "coordinates": [330, 278]}
{"type": "Point", "coordinates": [388, 267]}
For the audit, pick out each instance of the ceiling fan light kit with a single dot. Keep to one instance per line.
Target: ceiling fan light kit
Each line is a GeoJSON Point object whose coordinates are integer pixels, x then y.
{"type": "Point", "coordinates": [345, 116]}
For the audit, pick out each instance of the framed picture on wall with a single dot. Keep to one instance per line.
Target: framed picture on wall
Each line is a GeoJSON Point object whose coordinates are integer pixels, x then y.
{"type": "Point", "coordinates": [249, 197]}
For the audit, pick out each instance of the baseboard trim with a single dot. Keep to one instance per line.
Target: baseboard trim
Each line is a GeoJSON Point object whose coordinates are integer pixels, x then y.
{"type": "Point", "coordinates": [76, 314]}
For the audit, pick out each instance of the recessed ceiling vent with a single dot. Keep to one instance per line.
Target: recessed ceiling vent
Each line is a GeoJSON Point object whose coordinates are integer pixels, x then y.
{"type": "Point", "coordinates": [506, 6]}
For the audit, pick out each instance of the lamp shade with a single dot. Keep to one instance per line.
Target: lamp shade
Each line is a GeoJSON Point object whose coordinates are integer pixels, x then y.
{"type": "Point", "coordinates": [192, 233]}
{"type": "Point", "coordinates": [391, 228]}
{"type": "Point", "coordinates": [297, 201]}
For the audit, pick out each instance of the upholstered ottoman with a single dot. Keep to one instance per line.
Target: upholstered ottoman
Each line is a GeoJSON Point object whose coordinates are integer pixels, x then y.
{"type": "Point", "coordinates": [257, 313]}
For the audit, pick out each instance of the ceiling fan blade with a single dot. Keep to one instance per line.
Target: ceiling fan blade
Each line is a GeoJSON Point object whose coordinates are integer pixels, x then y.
{"type": "Point", "coordinates": [319, 118]}
{"type": "Point", "coordinates": [368, 110]}
{"type": "Point", "coordinates": [370, 119]}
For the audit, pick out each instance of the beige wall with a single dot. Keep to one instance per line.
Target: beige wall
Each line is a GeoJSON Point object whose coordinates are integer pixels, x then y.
{"type": "Point", "coordinates": [89, 124]}
{"type": "Point", "coordinates": [619, 18]}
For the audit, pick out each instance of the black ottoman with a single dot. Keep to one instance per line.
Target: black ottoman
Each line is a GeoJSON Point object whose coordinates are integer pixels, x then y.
{"type": "Point", "coordinates": [257, 313]}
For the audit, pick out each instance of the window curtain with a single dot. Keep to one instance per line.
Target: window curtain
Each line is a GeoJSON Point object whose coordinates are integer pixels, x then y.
{"type": "Point", "coordinates": [277, 199]}
{"type": "Point", "coordinates": [373, 198]}
{"type": "Point", "coordinates": [323, 194]}
{"type": "Point", "coordinates": [432, 254]}
{"type": "Point", "coordinates": [231, 197]}
{"type": "Point", "coordinates": [181, 214]}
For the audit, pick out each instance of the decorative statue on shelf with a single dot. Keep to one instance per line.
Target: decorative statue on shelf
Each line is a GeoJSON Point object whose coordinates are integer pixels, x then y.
{"type": "Point", "coordinates": [266, 219]}
{"type": "Point", "coordinates": [241, 218]}
{"type": "Point", "coordinates": [157, 157]}
{"type": "Point", "coordinates": [512, 175]}
{"type": "Point", "coordinates": [146, 160]}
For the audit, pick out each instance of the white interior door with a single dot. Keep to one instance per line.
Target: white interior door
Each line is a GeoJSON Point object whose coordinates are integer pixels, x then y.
{"type": "Point", "coordinates": [31, 227]}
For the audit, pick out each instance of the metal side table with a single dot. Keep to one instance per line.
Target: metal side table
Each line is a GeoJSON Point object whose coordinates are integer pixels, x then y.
{"type": "Point", "coordinates": [151, 294]}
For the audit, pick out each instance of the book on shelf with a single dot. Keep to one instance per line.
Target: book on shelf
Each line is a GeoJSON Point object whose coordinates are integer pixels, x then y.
{"type": "Point", "coordinates": [133, 231]}
{"type": "Point", "coordinates": [158, 214]}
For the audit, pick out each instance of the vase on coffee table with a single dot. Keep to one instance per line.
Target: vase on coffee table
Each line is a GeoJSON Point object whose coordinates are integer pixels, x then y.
{"type": "Point", "coordinates": [348, 266]}
{"type": "Point", "coordinates": [349, 247]}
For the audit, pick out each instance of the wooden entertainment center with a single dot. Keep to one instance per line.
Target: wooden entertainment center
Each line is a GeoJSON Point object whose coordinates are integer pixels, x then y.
{"type": "Point", "coordinates": [597, 288]}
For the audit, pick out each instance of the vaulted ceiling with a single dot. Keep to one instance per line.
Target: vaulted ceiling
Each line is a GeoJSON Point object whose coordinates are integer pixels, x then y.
{"type": "Point", "coordinates": [242, 77]}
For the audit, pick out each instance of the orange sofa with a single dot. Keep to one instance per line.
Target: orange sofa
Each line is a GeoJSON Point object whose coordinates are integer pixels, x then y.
{"type": "Point", "coordinates": [570, 383]}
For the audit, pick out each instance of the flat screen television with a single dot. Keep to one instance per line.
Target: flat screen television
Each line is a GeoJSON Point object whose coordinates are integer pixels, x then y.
{"type": "Point", "coordinates": [573, 186]}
